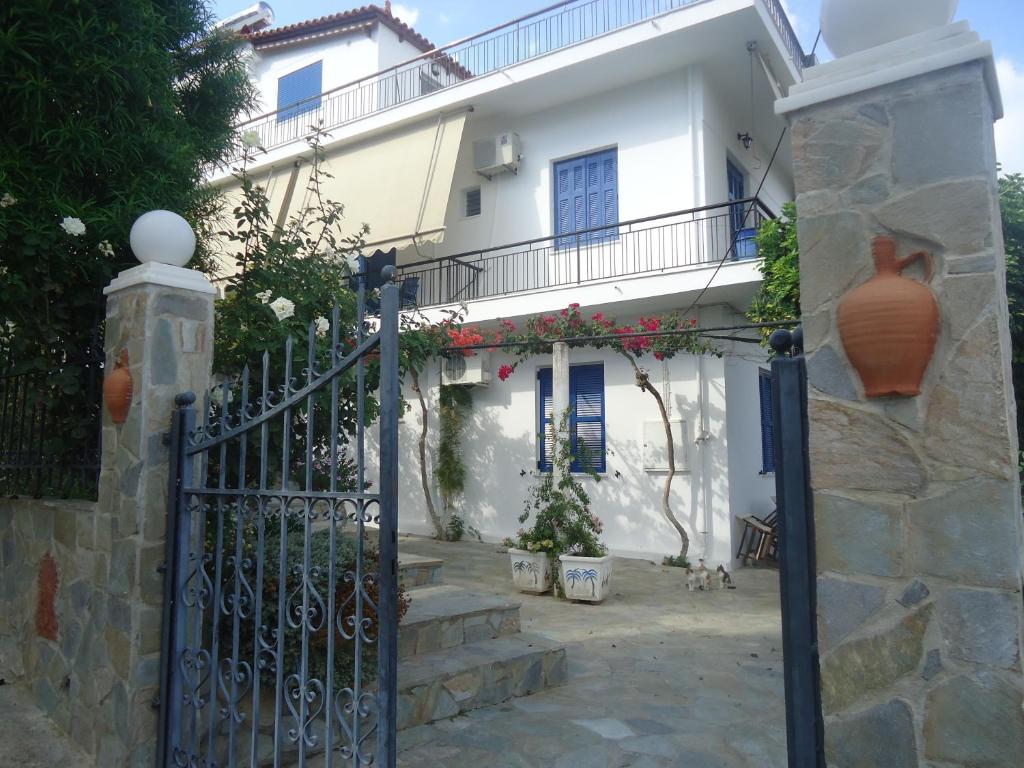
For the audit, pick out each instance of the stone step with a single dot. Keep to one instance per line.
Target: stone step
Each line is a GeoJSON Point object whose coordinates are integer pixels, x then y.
{"type": "Point", "coordinates": [448, 616]}
{"type": "Point", "coordinates": [443, 684]}
{"type": "Point", "coordinates": [417, 571]}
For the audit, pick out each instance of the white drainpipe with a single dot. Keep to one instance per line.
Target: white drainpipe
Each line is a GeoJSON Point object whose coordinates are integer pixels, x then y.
{"type": "Point", "coordinates": [702, 438]}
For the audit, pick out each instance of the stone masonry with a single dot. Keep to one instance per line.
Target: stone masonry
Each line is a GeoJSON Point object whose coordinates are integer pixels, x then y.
{"type": "Point", "coordinates": [168, 332]}
{"type": "Point", "coordinates": [917, 500]}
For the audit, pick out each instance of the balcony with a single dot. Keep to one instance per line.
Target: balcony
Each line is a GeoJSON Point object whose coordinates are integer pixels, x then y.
{"type": "Point", "coordinates": [528, 37]}
{"type": "Point", "coordinates": [653, 245]}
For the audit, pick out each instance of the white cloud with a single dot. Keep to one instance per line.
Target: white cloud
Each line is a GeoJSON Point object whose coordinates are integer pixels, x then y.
{"type": "Point", "coordinates": [1010, 130]}
{"type": "Point", "coordinates": [405, 13]}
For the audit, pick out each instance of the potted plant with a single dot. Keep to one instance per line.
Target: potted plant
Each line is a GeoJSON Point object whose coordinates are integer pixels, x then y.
{"type": "Point", "coordinates": [564, 530]}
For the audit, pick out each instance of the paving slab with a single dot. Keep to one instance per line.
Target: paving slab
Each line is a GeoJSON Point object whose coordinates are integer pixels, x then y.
{"type": "Point", "coordinates": [694, 678]}
{"type": "Point", "coordinates": [29, 739]}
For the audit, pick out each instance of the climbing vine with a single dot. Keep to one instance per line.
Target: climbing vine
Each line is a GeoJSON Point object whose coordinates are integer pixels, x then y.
{"type": "Point", "coordinates": [628, 340]}
{"type": "Point", "coordinates": [456, 405]}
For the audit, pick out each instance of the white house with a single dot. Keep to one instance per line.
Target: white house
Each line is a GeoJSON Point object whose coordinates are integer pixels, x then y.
{"type": "Point", "coordinates": [592, 153]}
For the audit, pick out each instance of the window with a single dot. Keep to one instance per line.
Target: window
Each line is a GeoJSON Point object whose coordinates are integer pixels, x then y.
{"type": "Point", "coordinates": [428, 84]}
{"type": "Point", "coordinates": [587, 196]}
{"type": "Point", "coordinates": [764, 386]}
{"type": "Point", "coordinates": [586, 424]}
{"type": "Point", "coordinates": [472, 202]}
{"type": "Point", "coordinates": [299, 86]}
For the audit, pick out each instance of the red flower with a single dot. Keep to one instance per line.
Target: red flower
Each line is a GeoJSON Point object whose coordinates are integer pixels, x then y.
{"type": "Point", "coordinates": [659, 356]}
{"type": "Point", "coordinates": [565, 313]}
{"type": "Point", "coordinates": [693, 322]}
{"type": "Point", "coordinates": [597, 317]}
{"type": "Point", "coordinates": [508, 325]}
{"type": "Point", "coordinates": [505, 371]}
{"type": "Point", "coordinates": [650, 323]}
{"type": "Point", "coordinates": [574, 306]}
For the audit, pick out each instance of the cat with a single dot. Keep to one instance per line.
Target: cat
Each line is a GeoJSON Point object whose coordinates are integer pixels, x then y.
{"type": "Point", "coordinates": [724, 579]}
{"type": "Point", "coordinates": [691, 579]}
{"type": "Point", "coordinates": [704, 576]}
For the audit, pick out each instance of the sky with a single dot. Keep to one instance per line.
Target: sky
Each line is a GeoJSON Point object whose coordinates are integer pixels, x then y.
{"type": "Point", "coordinates": [444, 21]}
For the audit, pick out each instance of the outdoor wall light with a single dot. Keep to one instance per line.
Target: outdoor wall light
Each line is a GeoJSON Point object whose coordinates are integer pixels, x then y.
{"type": "Point", "coordinates": [164, 237]}
{"type": "Point", "coordinates": [745, 139]}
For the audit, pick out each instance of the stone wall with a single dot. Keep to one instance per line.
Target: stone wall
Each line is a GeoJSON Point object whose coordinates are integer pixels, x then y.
{"type": "Point", "coordinates": [60, 636]}
{"type": "Point", "coordinates": [917, 500]}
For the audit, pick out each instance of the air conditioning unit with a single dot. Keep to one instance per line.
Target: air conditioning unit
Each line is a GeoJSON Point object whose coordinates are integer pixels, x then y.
{"type": "Point", "coordinates": [496, 154]}
{"type": "Point", "coordinates": [468, 371]}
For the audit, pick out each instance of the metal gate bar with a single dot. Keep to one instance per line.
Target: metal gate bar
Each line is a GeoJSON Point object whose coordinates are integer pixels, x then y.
{"type": "Point", "coordinates": [798, 571]}
{"type": "Point", "coordinates": [220, 639]}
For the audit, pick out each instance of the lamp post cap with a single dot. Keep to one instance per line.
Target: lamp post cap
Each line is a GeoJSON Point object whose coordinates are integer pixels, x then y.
{"type": "Point", "coordinates": [163, 237]}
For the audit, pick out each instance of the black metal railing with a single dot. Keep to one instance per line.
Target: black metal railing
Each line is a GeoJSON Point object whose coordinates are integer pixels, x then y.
{"type": "Point", "coordinates": [800, 59]}
{"type": "Point", "coordinates": [50, 423]}
{"type": "Point", "coordinates": [557, 26]}
{"type": "Point", "coordinates": [650, 245]}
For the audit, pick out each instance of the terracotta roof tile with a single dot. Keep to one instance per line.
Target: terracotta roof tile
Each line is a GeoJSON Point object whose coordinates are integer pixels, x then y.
{"type": "Point", "coordinates": [325, 23]}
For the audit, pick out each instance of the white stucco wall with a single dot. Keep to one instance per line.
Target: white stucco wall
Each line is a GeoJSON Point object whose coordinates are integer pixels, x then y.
{"type": "Point", "coordinates": [647, 123]}
{"type": "Point", "coordinates": [346, 57]}
{"type": "Point", "coordinates": [500, 443]}
{"type": "Point", "coordinates": [750, 492]}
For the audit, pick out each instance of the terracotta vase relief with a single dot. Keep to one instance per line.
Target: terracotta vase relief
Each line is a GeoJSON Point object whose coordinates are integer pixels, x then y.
{"type": "Point", "coordinates": [117, 389]}
{"type": "Point", "coordinates": [889, 324]}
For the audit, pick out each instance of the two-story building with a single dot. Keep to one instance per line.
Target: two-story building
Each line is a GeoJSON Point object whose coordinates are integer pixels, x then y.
{"type": "Point", "coordinates": [613, 153]}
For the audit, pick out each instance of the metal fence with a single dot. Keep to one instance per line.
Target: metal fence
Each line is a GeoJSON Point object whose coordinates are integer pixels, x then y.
{"type": "Point", "coordinates": [50, 423]}
{"type": "Point", "coordinates": [558, 26]}
{"type": "Point", "coordinates": [644, 246]}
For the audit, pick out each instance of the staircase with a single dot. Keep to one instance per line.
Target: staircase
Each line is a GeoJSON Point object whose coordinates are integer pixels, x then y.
{"type": "Point", "coordinates": [460, 650]}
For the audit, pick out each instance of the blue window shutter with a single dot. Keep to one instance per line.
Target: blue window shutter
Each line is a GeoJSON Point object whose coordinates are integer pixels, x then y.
{"type": "Point", "coordinates": [764, 384]}
{"type": "Point", "coordinates": [570, 199]}
{"type": "Point", "coordinates": [587, 196]}
{"type": "Point", "coordinates": [544, 405]}
{"type": "Point", "coordinates": [298, 86]}
{"type": "Point", "coordinates": [736, 192]}
{"type": "Point", "coordinates": [586, 396]}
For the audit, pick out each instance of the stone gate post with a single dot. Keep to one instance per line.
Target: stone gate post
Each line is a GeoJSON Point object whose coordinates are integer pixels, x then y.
{"type": "Point", "coordinates": [917, 499]}
{"type": "Point", "coordinates": [162, 316]}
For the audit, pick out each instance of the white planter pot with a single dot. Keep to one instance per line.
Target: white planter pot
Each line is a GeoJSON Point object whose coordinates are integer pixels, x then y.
{"type": "Point", "coordinates": [531, 571]}
{"type": "Point", "coordinates": [585, 578]}
{"type": "Point", "coordinates": [850, 26]}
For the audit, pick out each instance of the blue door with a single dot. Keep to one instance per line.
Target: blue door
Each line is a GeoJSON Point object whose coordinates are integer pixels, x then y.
{"type": "Point", "coordinates": [734, 177]}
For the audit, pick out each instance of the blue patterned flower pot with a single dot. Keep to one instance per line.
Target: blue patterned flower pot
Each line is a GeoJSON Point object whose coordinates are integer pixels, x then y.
{"type": "Point", "coordinates": [586, 578]}
{"type": "Point", "coordinates": [531, 571]}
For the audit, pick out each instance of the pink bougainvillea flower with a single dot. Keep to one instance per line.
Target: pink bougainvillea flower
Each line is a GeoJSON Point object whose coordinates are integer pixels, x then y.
{"type": "Point", "coordinates": [508, 325]}
{"type": "Point", "coordinates": [505, 371]}
{"type": "Point", "coordinates": [574, 306]}
{"type": "Point", "coordinates": [597, 317]}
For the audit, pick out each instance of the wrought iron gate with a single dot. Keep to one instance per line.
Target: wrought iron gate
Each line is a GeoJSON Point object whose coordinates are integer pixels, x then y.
{"type": "Point", "coordinates": [797, 568]}
{"type": "Point", "coordinates": [276, 600]}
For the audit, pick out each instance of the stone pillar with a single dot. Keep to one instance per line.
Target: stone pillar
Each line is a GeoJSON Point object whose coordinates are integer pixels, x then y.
{"type": "Point", "coordinates": [917, 499]}
{"type": "Point", "coordinates": [162, 316]}
{"type": "Point", "coordinates": [560, 400]}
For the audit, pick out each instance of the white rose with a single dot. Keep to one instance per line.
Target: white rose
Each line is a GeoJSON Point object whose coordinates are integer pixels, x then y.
{"type": "Point", "coordinates": [353, 263]}
{"type": "Point", "coordinates": [73, 226]}
{"type": "Point", "coordinates": [282, 307]}
{"type": "Point", "coordinates": [7, 200]}
{"type": "Point", "coordinates": [322, 326]}
{"type": "Point", "coordinates": [250, 139]}
{"type": "Point", "coordinates": [263, 296]}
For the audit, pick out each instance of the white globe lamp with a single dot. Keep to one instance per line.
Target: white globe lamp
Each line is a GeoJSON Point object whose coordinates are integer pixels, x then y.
{"type": "Point", "coordinates": [163, 237]}
{"type": "Point", "coordinates": [851, 26]}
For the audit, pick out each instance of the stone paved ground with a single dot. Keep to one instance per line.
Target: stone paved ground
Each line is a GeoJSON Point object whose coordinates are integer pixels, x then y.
{"type": "Point", "coordinates": [658, 677]}
{"type": "Point", "coordinates": [28, 739]}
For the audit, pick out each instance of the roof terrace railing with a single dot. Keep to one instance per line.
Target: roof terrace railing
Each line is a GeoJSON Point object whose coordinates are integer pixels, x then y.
{"type": "Point", "coordinates": [552, 28]}
{"type": "Point", "coordinates": [665, 243]}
